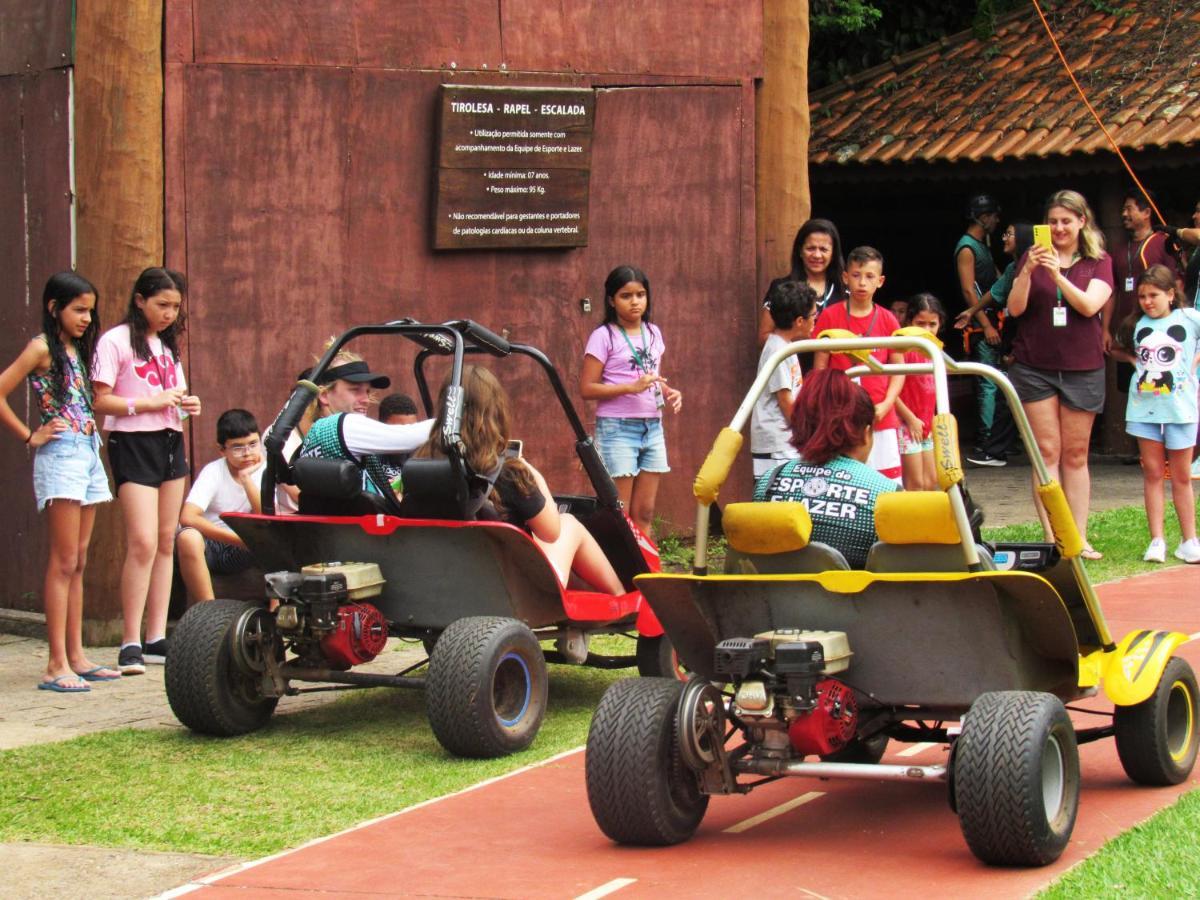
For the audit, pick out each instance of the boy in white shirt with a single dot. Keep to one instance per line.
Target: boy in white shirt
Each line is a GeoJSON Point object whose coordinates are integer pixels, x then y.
{"type": "Point", "coordinates": [205, 544]}
{"type": "Point", "coordinates": [793, 307]}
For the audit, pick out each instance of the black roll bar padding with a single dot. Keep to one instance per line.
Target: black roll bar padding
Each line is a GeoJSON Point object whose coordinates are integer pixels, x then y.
{"type": "Point", "coordinates": [285, 423]}
{"type": "Point", "coordinates": [484, 337]}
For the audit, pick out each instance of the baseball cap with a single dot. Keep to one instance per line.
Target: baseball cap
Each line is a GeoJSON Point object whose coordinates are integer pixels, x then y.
{"type": "Point", "coordinates": [356, 373]}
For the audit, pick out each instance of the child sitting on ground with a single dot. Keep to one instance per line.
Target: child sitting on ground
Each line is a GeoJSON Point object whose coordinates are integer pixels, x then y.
{"type": "Point", "coordinates": [206, 545]}
{"type": "Point", "coordinates": [793, 306]}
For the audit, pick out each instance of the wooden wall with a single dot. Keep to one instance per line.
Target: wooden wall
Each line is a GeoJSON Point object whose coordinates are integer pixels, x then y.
{"type": "Point", "coordinates": [299, 142]}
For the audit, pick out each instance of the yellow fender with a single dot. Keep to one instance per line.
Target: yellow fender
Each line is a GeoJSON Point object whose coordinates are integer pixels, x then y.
{"type": "Point", "coordinates": [1132, 671]}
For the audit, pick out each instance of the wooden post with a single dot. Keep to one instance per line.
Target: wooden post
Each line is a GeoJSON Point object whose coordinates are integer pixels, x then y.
{"type": "Point", "coordinates": [781, 136]}
{"type": "Point", "coordinates": [119, 208]}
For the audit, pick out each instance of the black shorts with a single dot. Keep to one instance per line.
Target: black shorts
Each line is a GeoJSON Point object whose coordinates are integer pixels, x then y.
{"type": "Point", "coordinates": [146, 457]}
{"type": "Point", "coordinates": [1082, 390]}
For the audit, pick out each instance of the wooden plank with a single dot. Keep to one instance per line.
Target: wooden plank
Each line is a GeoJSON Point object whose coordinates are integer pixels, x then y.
{"type": "Point", "coordinates": [36, 35]}
{"type": "Point", "coordinates": [716, 38]}
{"type": "Point", "coordinates": [119, 183]}
{"type": "Point", "coordinates": [178, 32]}
{"type": "Point", "coordinates": [372, 33]}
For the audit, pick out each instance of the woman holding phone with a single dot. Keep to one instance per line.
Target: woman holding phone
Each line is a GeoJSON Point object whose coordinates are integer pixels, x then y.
{"type": "Point", "coordinates": [1058, 371]}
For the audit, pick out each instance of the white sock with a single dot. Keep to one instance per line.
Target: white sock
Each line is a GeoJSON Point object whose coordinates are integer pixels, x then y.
{"type": "Point", "coordinates": [131, 644]}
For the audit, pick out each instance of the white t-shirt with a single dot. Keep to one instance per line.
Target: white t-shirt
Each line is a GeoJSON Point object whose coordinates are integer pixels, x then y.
{"type": "Point", "coordinates": [363, 434]}
{"type": "Point", "coordinates": [216, 491]}
{"type": "Point", "coordinates": [769, 430]}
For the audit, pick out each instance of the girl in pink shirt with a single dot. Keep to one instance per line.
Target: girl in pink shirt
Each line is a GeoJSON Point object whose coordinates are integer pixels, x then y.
{"type": "Point", "coordinates": [622, 370]}
{"type": "Point", "coordinates": [140, 387]}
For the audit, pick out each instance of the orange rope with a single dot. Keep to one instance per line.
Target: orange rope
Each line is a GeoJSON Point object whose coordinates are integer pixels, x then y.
{"type": "Point", "coordinates": [1095, 115]}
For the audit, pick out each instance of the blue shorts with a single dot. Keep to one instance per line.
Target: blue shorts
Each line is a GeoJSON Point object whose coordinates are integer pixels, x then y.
{"type": "Point", "coordinates": [631, 446]}
{"type": "Point", "coordinates": [69, 468]}
{"type": "Point", "coordinates": [1174, 435]}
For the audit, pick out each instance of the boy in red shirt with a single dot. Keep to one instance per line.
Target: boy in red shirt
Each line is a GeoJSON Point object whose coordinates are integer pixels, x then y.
{"type": "Point", "coordinates": [860, 315]}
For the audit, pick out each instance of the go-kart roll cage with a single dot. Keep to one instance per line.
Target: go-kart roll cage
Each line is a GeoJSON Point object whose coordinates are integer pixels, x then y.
{"type": "Point", "coordinates": [456, 338]}
{"type": "Point", "coordinates": [946, 453]}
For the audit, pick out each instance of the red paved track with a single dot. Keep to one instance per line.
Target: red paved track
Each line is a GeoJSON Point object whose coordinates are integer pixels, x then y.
{"type": "Point", "coordinates": [532, 836]}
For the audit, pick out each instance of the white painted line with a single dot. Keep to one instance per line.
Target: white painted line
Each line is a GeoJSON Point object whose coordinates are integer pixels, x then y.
{"type": "Point", "coordinates": [747, 824]}
{"type": "Point", "coordinates": [198, 883]}
{"type": "Point", "coordinates": [605, 889]}
{"type": "Point", "coordinates": [1193, 637]}
{"type": "Point", "coordinates": [813, 894]}
{"type": "Point", "coordinates": [915, 749]}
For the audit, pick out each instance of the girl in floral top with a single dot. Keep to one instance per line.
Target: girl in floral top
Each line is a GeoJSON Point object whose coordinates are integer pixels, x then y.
{"type": "Point", "coordinates": [68, 476]}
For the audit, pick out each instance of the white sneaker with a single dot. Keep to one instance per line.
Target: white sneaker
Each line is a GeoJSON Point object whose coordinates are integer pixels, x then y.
{"type": "Point", "coordinates": [1188, 551]}
{"type": "Point", "coordinates": [1157, 551]}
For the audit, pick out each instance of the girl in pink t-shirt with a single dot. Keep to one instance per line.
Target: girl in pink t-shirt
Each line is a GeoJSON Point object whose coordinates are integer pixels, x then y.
{"type": "Point", "coordinates": [622, 370]}
{"type": "Point", "coordinates": [140, 388]}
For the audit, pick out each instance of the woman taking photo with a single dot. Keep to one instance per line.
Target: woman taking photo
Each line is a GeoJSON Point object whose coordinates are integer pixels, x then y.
{"type": "Point", "coordinates": [1058, 372]}
{"type": "Point", "coordinates": [816, 261]}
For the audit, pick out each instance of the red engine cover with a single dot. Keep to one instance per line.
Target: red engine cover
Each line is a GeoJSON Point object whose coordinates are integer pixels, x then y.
{"type": "Point", "coordinates": [830, 724]}
{"type": "Point", "coordinates": [360, 635]}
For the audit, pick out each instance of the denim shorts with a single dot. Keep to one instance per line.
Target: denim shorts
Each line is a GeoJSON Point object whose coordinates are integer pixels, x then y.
{"type": "Point", "coordinates": [1173, 435]}
{"type": "Point", "coordinates": [631, 446]}
{"type": "Point", "coordinates": [69, 468]}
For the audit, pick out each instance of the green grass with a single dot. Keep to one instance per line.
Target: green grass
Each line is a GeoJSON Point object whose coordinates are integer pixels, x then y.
{"type": "Point", "coordinates": [305, 775]}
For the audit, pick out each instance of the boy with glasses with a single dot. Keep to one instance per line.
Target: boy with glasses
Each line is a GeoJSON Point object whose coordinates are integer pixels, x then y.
{"type": "Point", "coordinates": [206, 546]}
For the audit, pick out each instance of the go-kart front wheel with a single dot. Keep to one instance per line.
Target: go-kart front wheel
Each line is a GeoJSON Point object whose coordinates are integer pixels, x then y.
{"type": "Point", "coordinates": [638, 787]}
{"type": "Point", "coordinates": [487, 686]}
{"type": "Point", "coordinates": [1157, 739]}
{"type": "Point", "coordinates": [213, 670]}
{"type": "Point", "coordinates": [1016, 778]}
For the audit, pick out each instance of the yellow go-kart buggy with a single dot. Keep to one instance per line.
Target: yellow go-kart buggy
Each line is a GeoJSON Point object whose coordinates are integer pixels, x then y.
{"type": "Point", "coordinates": [805, 667]}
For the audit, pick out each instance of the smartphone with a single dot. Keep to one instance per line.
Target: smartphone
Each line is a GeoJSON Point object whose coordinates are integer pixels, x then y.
{"type": "Point", "coordinates": [513, 450]}
{"type": "Point", "coordinates": [1041, 235]}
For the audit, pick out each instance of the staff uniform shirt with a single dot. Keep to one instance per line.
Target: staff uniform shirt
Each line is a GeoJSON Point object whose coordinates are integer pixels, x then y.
{"type": "Point", "coordinates": [217, 491]}
{"type": "Point", "coordinates": [878, 323]}
{"type": "Point", "coordinates": [1128, 265]}
{"type": "Point", "coordinates": [1163, 388]}
{"type": "Point", "coordinates": [839, 496]}
{"type": "Point", "coordinates": [770, 432]}
{"type": "Point", "coordinates": [132, 378]}
{"type": "Point", "coordinates": [620, 367]}
{"type": "Point", "coordinates": [1079, 345]}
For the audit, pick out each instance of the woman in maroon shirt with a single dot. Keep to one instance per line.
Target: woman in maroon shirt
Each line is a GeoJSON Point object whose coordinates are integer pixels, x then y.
{"type": "Point", "coordinates": [1058, 293]}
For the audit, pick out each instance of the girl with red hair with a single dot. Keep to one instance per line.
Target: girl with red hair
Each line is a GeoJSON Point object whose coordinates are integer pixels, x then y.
{"type": "Point", "coordinates": [832, 430]}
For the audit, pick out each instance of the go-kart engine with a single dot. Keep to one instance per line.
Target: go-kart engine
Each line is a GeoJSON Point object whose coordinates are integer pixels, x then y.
{"type": "Point", "coordinates": [829, 725]}
{"type": "Point", "coordinates": [358, 636]}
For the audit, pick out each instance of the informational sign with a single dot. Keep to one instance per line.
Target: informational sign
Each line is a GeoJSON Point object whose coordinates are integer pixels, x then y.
{"type": "Point", "coordinates": [513, 167]}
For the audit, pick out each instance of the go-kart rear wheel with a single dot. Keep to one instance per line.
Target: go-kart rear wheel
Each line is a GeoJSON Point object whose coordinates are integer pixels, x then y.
{"type": "Point", "coordinates": [213, 671]}
{"type": "Point", "coordinates": [656, 658]}
{"type": "Point", "coordinates": [1016, 778]}
{"type": "Point", "coordinates": [486, 691]}
{"type": "Point", "coordinates": [638, 787]}
{"type": "Point", "coordinates": [1157, 739]}
{"type": "Point", "coordinates": [870, 750]}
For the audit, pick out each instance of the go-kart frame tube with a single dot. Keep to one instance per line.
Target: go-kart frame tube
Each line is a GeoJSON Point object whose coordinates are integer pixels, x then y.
{"type": "Point", "coordinates": [937, 365]}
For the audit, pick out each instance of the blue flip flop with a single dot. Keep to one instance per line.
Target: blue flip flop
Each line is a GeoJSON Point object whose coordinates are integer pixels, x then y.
{"type": "Point", "coordinates": [54, 684]}
{"type": "Point", "coordinates": [90, 674]}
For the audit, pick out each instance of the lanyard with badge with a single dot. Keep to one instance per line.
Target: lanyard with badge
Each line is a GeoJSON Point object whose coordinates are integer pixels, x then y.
{"type": "Point", "coordinates": [641, 362]}
{"type": "Point", "coordinates": [1130, 281]}
{"type": "Point", "coordinates": [1059, 313]}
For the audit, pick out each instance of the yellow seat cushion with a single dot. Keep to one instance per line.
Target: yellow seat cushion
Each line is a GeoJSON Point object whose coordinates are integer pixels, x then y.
{"type": "Point", "coordinates": [915, 517]}
{"type": "Point", "coordinates": [766, 528]}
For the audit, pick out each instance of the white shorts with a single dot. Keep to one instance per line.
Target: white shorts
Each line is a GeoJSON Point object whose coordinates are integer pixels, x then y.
{"type": "Point", "coordinates": [762, 466]}
{"type": "Point", "coordinates": [885, 454]}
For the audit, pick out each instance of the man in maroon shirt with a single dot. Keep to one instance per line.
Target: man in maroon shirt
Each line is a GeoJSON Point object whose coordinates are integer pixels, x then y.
{"type": "Point", "coordinates": [1144, 248]}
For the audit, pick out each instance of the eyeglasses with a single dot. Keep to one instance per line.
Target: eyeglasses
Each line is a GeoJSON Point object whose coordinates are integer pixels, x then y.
{"type": "Point", "coordinates": [243, 449]}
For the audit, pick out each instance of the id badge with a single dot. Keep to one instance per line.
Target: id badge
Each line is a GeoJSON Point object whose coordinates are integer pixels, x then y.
{"type": "Point", "coordinates": [1060, 317]}
{"type": "Point", "coordinates": [659, 400]}
{"type": "Point", "coordinates": [1129, 285]}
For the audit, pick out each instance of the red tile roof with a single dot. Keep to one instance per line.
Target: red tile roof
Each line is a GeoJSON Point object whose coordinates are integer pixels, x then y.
{"type": "Point", "coordinates": [1008, 96]}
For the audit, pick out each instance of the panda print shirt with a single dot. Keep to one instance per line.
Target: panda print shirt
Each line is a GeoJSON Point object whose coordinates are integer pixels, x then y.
{"type": "Point", "coordinates": [1163, 390]}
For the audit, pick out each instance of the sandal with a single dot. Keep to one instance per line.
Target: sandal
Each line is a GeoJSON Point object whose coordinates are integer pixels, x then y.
{"type": "Point", "coordinates": [1091, 553]}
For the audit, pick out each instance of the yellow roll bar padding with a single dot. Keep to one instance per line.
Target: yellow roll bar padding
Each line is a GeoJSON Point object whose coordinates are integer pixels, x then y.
{"type": "Point", "coordinates": [1132, 670]}
{"type": "Point", "coordinates": [914, 331]}
{"type": "Point", "coordinates": [1066, 534]}
{"type": "Point", "coordinates": [717, 465]}
{"type": "Point", "coordinates": [916, 517]}
{"type": "Point", "coordinates": [842, 333]}
{"type": "Point", "coordinates": [766, 527]}
{"type": "Point", "coordinates": [945, 451]}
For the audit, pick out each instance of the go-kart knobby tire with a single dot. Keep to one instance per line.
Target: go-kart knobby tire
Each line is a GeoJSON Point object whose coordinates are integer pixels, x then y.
{"type": "Point", "coordinates": [638, 787]}
{"type": "Point", "coordinates": [1157, 738]}
{"type": "Point", "coordinates": [486, 691]}
{"type": "Point", "coordinates": [656, 658]}
{"type": "Point", "coordinates": [206, 689]}
{"type": "Point", "coordinates": [868, 751]}
{"type": "Point", "coordinates": [1016, 778]}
